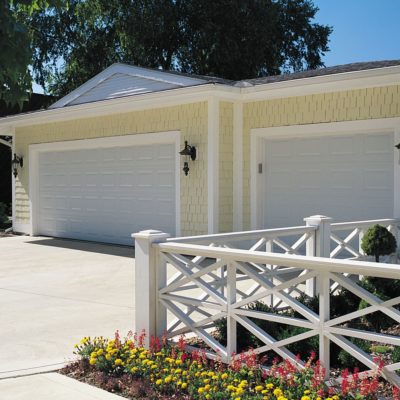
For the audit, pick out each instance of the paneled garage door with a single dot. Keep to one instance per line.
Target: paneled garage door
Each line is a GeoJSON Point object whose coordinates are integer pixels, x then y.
{"type": "Point", "coordinates": [106, 194]}
{"type": "Point", "coordinates": [345, 177]}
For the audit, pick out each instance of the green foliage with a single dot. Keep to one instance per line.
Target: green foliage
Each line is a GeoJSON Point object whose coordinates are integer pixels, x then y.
{"type": "Point", "coordinates": [231, 39]}
{"type": "Point", "coordinates": [396, 355]}
{"type": "Point", "coordinates": [15, 55]}
{"type": "Point", "coordinates": [378, 241]}
{"type": "Point", "coordinates": [15, 49]}
{"type": "Point", "coordinates": [380, 349]}
{"type": "Point", "coordinates": [348, 361]}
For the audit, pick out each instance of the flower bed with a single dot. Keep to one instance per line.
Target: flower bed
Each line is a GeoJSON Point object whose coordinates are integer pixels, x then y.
{"type": "Point", "coordinates": [167, 371]}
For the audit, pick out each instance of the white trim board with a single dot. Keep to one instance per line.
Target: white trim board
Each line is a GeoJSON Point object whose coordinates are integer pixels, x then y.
{"type": "Point", "coordinates": [237, 166]}
{"type": "Point", "coordinates": [258, 135]}
{"type": "Point", "coordinates": [106, 142]}
{"type": "Point", "coordinates": [298, 87]}
{"type": "Point", "coordinates": [212, 165]}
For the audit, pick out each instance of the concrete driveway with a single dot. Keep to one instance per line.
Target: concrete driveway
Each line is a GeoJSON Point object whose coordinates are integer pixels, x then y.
{"type": "Point", "coordinates": [55, 291]}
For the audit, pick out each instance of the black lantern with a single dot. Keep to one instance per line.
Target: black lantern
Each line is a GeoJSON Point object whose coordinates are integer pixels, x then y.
{"type": "Point", "coordinates": [188, 151]}
{"type": "Point", "coordinates": [16, 161]}
{"type": "Point", "coordinates": [397, 146]}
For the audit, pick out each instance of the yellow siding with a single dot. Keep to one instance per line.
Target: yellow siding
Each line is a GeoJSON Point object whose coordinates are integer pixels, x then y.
{"type": "Point", "coordinates": [190, 120]}
{"type": "Point", "coordinates": [225, 167]}
{"type": "Point", "coordinates": [379, 102]}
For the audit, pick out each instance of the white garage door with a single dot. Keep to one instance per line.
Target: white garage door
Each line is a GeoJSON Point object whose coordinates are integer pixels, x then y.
{"type": "Point", "coordinates": [106, 194]}
{"type": "Point", "coordinates": [347, 177]}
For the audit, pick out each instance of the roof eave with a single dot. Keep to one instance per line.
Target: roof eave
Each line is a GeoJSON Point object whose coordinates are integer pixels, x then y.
{"type": "Point", "coordinates": [376, 77]}
{"type": "Point", "coordinates": [120, 105]}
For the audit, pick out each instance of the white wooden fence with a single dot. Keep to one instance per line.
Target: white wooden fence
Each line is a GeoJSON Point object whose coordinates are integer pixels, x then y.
{"type": "Point", "coordinates": [212, 279]}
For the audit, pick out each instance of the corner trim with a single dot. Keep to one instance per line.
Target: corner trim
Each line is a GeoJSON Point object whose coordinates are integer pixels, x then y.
{"type": "Point", "coordinates": [212, 164]}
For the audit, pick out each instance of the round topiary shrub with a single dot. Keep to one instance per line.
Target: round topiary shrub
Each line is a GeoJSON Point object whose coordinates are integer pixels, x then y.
{"type": "Point", "coordinates": [378, 241]}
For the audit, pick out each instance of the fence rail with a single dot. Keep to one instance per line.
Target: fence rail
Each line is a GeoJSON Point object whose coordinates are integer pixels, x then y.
{"type": "Point", "coordinates": [208, 282]}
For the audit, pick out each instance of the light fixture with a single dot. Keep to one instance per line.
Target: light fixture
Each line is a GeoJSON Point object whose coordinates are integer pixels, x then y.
{"type": "Point", "coordinates": [398, 148]}
{"type": "Point", "coordinates": [16, 161]}
{"type": "Point", "coordinates": [188, 151]}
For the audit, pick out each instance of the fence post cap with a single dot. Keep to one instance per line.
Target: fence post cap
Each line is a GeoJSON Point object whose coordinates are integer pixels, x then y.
{"type": "Point", "coordinates": [317, 218]}
{"type": "Point", "coordinates": [150, 234]}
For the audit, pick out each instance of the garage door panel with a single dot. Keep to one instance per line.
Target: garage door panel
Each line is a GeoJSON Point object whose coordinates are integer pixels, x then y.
{"type": "Point", "coordinates": [106, 194]}
{"type": "Point", "coordinates": [345, 177]}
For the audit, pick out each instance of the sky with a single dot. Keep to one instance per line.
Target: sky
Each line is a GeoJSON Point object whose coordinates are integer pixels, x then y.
{"type": "Point", "coordinates": [363, 30]}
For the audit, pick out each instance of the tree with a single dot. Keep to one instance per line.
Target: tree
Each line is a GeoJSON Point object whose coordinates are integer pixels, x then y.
{"type": "Point", "coordinates": [378, 241]}
{"type": "Point", "coordinates": [15, 48]}
{"type": "Point", "coordinates": [15, 56]}
{"type": "Point", "coordinates": [233, 39]}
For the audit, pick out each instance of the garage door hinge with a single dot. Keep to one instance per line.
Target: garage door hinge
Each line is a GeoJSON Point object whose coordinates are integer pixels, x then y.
{"type": "Point", "coordinates": [260, 168]}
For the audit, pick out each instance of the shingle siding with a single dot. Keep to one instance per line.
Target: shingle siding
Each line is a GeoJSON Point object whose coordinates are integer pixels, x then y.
{"type": "Point", "coordinates": [360, 104]}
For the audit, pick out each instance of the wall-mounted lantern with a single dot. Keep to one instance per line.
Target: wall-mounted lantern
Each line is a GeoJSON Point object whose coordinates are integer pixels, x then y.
{"type": "Point", "coordinates": [188, 151]}
{"type": "Point", "coordinates": [16, 161]}
{"type": "Point", "coordinates": [398, 148]}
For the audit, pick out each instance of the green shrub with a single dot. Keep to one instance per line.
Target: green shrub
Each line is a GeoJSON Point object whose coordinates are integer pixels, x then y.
{"type": "Point", "coordinates": [378, 241]}
{"type": "Point", "coordinates": [396, 355]}
{"type": "Point", "coordinates": [345, 360]}
{"type": "Point", "coordinates": [245, 339]}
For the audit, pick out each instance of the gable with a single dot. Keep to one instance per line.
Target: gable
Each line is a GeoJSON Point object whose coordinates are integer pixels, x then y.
{"type": "Point", "coordinates": [120, 80]}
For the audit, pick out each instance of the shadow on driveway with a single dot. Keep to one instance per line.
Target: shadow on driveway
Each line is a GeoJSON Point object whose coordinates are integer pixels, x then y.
{"type": "Point", "coordinates": [92, 247]}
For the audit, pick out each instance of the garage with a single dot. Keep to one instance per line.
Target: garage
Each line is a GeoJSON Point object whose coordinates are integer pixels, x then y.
{"type": "Point", "coordinates": [98, 192]}
{"type": "Point", "coordinates": [348, 177]}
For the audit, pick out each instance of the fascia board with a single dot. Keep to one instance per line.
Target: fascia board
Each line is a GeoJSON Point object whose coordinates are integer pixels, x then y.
{"type": "Point", "coordinates": [324, 84]}
{"type": "Point", "coordinates": [120, 105]}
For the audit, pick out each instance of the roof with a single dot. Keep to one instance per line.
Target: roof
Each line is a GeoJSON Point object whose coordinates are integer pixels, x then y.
{"type": "Point", "coordinates": [338, 69]}
{"type": "Point", "coordinates": [121, 80]}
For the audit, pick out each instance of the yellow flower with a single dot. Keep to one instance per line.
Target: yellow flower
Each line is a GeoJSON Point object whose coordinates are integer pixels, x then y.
{"type": "Point", "coordinates": [168, 379]}
{"type": "Point", "coordinates": [224, 375]}
{"type": "Point", "coordinates": [100, 352]}
{"type": "Point", "coordinates": [184, 385]}
{"type": "Point", "coordinates": [178, 362]}
{"type": "Point", "coordinates": [277, 392]}
{"type": "Point", "coordinates": [265, 391]}
{"type": "Point", "coordinates": [306, 392]}
{"type": "Point", "coordinates": [270, 385]}
{"type": "Point", "coordinates": [259, 388]}
{"type": "Point", "coordinates": [108, 356]}
{"type": "Point", "coordinates": [201, 390]}
{"type": "Point", "coordinates": [92, 361]}
{"type": "Point", "coordinates": [207, 387]}
{"type": "Point", "coordinates": [134, 369]}
{"type": "Point", "coordinates": [158, 381]}
{"type": "Point", "coordinates": [118, 361]}
{"type": "Point", "coordinates": [208, 396]}
{"type": "Point", "coordinates": [206, 381]}
{"type": "Point", "coordinates": [237, 398]}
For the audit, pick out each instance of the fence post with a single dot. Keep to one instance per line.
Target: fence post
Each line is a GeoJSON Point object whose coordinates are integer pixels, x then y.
{"type": "Point", "coordinates": [150, 276]}
{"type": "Point", "coordinates": [324, 316]}
{"type": "Point", "coordinates": [319, 245]}
{"type": "Point", "coordinates": [231, 322]}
